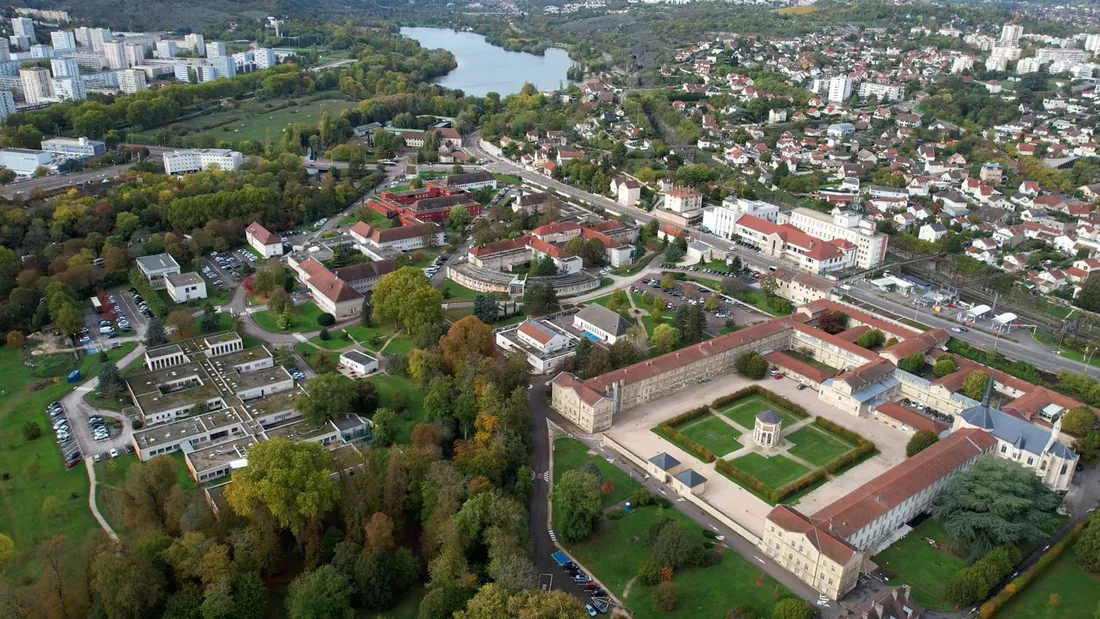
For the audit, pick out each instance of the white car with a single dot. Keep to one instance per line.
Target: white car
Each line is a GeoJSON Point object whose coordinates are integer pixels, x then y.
{"type": "Point", "coordinates": [114, 453]}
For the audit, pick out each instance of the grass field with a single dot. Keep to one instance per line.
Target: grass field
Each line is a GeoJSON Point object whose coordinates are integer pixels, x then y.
{"type": "Point", "coordinates": [253, 121]}
{"type": "Point", "coordinates": [617, 548]}
{"type": "Point", "coordinates": [812, 362]}
{"type": "Point", "coordinates": [744, 411]}
{"type": "Point", "coordinates": [39, 497]}
{"type": "Point", "coordinates": [336, 342]}
{"type": "Point", "coordinates": [373, 338]}
{"type": "Point", "coordinates": [571, 454]}
{"type": "Point", "coordinates": [457, 292]}
{"type": "Point", "coordinates": [713, 433]}
{"type": "Point", "coordinates": [775, 472]}
{"type": "Point", "coordinates": [928, 570]}
{"type": "Point", "coordinates": [401, 345]}
{"type": "Point", "coordinates": [797, 10]}
{"type": "Point", "coordinates": [817, 446]}
{"type": "Point", "coordinates": [387, 385]}
{"type": "Point", "coordinates": [1077, 589]}
{"type": "Point", "coordinates": [304, 319]}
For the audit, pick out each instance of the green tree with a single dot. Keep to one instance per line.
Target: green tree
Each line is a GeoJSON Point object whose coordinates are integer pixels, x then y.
{"type": "Point", "coordinates": [385, 426]}
{"type": "Point", "coordinates": [68, 320]}
{"type": "Point", "coordinates": [665, 338]}
{"type": "Point", "coordinates": [493, 601]}
{"type": "Point", "coordinates": [324, 592]}
{"type": "Point", "coordinates": [913, 364]}
{"type": "Point", "coordinates": [210, 321]}
{"type": "Point", "coordinates": [975, 384]}
{"type": "Point", "coordinates": [328, 396]}
{"type": "Point", "coordinates": [996, 502]}
{"type": "Point", "coordinates": [111, 382]}
{"type": "Point", "coordinates": [578, 498]}
{"type": "Point", "coordinates": [1086, 550]}
{"type": "Point", "coordinates": [485, 308]}
{"type": "Point", "coordinates": [792, 608]}
{"type": "Point", "coordinates": [155, 333]}
{"type": "Point", "coordinates": [944, 366]}
{"type": "Point", "coordinates": [540, 299]}
{"type": "Point", "coordinates": [921, 440]}
{"type": "Point", "coordinates": [673, 253]}
{"type": "Point", "coordinates": [290, 479]}
{"type": "Point", "coordinates": [1079, 421]}
{"type": "Point", "coordinates": [619, 302]}
{"type": "Point", "coordinates": [406, 298]}
{"type": "Point", "coordinates": [128, 584]}
{"type": "Point", "coordinates": [1089, 297]}
{"type": "Point", "coordinates": [666, 595]}
{"type": "Point", "coordinates": [31, 430]}
{"type": "Point", "coordinates": [459, 218]}
{"type": "Point", "coordinates": [674, 546]}
{"type": "Point", "coordinates": [7, 549]}
{"type": "Point", "coordinates": [871, 339]}
{"type": "Point", "coordinates": [752, 365]}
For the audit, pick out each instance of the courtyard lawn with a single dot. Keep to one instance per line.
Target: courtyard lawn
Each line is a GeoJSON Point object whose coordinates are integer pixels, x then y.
{"type": "Point", "coordinates": [928, 570]}
{"type": "Point", "coordinates": [571, 454]}
{"type": "Point", "coordinates": [816, 446]}
{"type": "Point", "coordinates": [617, 548]}
{"type": "Point", "coordinates": [812, 362]}
{"type": "Point", "coordinates": [304, 319]}
{"type": "Point", "coordinates": [457, 292]}
{"type": "Point", "coordinates": [774, 472]}
{"type": "Point", "coordinates": [373, 338]}
{"type": "Point", "coordinates": [511, 179]}
{"type": "Point", "coordinates": [1077, 589]}
{"type": "Point", "coordinates": [400, 345]}
{"type": "Point", "coordinates": [387, 385]}
{"type": "Point", "coordinates": [336, 342]}
{"type": "Point", "coordinates": [743, 412]}
{"type": "Point", "coordinates": [713, 433]}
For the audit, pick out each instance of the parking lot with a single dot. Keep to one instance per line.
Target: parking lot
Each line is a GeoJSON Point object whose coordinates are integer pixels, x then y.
{"type": "Point", "coordinates": [223, 269]}
{"type": "Point", "coordinates": [692, 293]}
{"type": "Point", "coordinates": [61, 426]}
{"type": "Point", "coordinates": [120, 318]}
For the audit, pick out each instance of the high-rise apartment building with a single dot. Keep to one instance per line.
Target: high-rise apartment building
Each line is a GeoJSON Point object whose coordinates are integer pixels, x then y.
{"type": "Point", "coordinates": [99, 37]}
{"type": "Point", "coordinates": [36, 85]}
{"type": "Point", "coordinates": [224, 65]}
{"type": "Point", "coordinates": [63, 39]}
{"type": "Point", "coordinates": [840, 88]}
{"type": "Point", "coordinates": [166, 49]}
{"type": "Point", "coordinates": [5, 49]}
{"type": "Point", "coordinates": [196, 43]}
{"type": "Point", "coordinates": [69, 89]}
{"type": "Point", "coordinates": [1012, 32]}
{"type": "Point", "coordinates": [7, 104]}
{"type": "Point", "coordinates": [131, 81]}
{"type": "Point", "coordinates": [215, 48]}
{"type": "Point", "coordinates": [22, 27]}
{"type": "Point", "coordinates": [65, 67]}
{"type": "Point", "coordinates": [115, 53]}
{"type": "Point", "coordinates": [83, 36]}
{"type": "Point", "coordinates": [264, 57]}
{"type": "Point", "coordinates": [134, 54]}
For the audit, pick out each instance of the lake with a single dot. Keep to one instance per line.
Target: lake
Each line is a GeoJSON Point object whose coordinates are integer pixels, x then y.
{"type": "Point", "coordinates": [484, 68]}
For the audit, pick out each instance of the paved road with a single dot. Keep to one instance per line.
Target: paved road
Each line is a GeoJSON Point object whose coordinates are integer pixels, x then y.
{"type": "Point", "coordinates": [24, 189]}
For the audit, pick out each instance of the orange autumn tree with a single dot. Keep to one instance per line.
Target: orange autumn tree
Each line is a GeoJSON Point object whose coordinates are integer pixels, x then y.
{"type": "Point", "coordinates": [466, 343]}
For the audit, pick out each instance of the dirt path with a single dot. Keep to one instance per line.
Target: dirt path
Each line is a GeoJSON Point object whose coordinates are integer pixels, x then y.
{"type": "Point", "coordinates": [626, 589]}
{"type": "Point", "coordinates": [91, 501]}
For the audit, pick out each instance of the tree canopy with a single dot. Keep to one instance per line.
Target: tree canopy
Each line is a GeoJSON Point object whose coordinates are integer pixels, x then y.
{"type": "Point", "coordinates": [290, 479]}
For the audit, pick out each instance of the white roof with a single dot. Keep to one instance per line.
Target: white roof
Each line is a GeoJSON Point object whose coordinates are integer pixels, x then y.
{"type": "Point", "coordinates": [1005, 318]}
{"type": "Point", "coordinates": [978, 310]}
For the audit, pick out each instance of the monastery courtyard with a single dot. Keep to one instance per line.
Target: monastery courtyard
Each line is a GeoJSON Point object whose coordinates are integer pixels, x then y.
{"type": "Point", "coordinates": [633, 429]}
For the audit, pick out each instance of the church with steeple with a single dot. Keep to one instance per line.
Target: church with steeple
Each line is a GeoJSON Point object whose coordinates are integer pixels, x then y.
{"type": "Point", "coordinates": [1030, 445]}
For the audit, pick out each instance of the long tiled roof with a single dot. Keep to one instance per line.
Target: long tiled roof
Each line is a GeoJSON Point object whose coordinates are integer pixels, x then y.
{"type": "Point", "coordinates": [859, 508]}
{"type": "Point", "coordinates": [367, 270]}
{"type": "Point", "coordinates": [793, 520]}
{"type": "Point", "coordinates": [889, 328]}
{"type": "Point", "coordinates": [909, 418]}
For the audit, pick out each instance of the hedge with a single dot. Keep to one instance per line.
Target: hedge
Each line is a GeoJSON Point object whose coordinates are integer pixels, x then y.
{"type": "Point", "coordinates": [998, 601]}
{"type": "Point", "coordinates": [864, 448]}
{"type": "Point", "coordinates": [770, 396]}
{"type": "Point", "coordinates": [152, 299]}
{"type": "Point", "coordinates": [688, 416]}
{"type": "Point", "coordinates": [685, 443]}
{"type": "Point", "coordinates": [758, 487]}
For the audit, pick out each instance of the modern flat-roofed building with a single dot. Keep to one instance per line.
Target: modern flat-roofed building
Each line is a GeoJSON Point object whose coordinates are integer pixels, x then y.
{"type": "Point", "coordinates": [359, 362]}
{"type": "Point", "coordinates": [545, 345]}
{"type": "Point", "coordinates": [184, 287]}
{"type": "Point", "coordinates": [24, 162]}
{"type": "Point", "coordinates": [157, 267]}
{"type": "Point", "coordinates": [74, 148]}
{"type": "Point", "coordinates": [195, 160]}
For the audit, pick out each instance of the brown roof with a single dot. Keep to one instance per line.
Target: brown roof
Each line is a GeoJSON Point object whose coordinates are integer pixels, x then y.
{"type": "Point", "coordinates": [853, 334]}
{"type": "Point", "coordinates": [836, 341]}
{"type": "Point", "coordinates": [868, 373]}
{"type": "Point", "coordinates": [262, 234]}
{"type": "Point", "coordinates": [801, 368]}
{"type": "Point", "coordinates": [886, 327]}
{"type": "Point", "coordinates": [311, 267]}
{"type": "Point", "coordinates": [334, 288]}
{"type": "Point", "coordinates": [389, 235]}
{"type": "Point", "coordinates": [895, 602]}
{"type": "Point", "coordinates": [556, 227]}
{"type": "Point", "coordinates": [361, 229]}
{"type": "Point", "coordinates": [498, 247]}
{"type": "Point", "coordinates": [368, 270]}
{"type": "Point", "coordinates": [909, 418]}
{"type": "Point", "coordinates": [586, 393]}
{"type": "Point", "coordinates": [922, 343]}
{"type": "Point", "coordinates": [532, 330]}
{"type": "Point", "coordinates": [859, 508]}
{"type": "Point", "coordinates": [790, 519]}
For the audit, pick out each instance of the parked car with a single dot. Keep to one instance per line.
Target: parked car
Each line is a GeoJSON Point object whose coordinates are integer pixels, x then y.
{"type": "Point", "coordinates": [591, 611]}
{"type": "Point", "coordinates": [114, 453]}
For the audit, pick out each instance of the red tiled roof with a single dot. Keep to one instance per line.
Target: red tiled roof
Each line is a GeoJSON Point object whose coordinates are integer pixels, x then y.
{"type": "Point", "coordinates": [498, 247]}
{"type": "Point", "coordinates": [801, 368]}
{"type": "Point", "coordinates": [909, 418]}
{"type": "Point", "coordinates": [311, 267]}
{"type": "Point", "coordinates": [587, 395]}
{"type": "Point", "coordinates": [853, 334]}
{"type": "Point", "coordinates": [546, 248]}
{"type": "Point", "coordinates": [361, 229]}
{"type": "Point", "coordinates": [366, 270]}
{"type": "Point", "coordinates": [334, 288]}
{"type": "Point", "coordinates": [262, 234]}
{"type": "Point", "coordinates": [836, 341]}
{"type": "Point", "coordinates": [790, 519]}
{"type": "Point", "coordinates": [922, 343]}
{"type": "Point", "coordinates": [886, 327]}
{"type": "Point", "coordinates": [535, 333]}
{"type": "Point", "coordinates": [859, 508]}
{"type": "Point", "coordinates": [556, 227]}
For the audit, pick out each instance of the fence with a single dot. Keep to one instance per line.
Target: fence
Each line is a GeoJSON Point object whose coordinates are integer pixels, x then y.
{"type": "Point", "coordinates": [710, 510]}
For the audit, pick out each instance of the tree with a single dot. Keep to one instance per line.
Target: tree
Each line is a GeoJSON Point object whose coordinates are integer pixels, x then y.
{"type": "Point", "coordinates": [128, 584]}
{"type": "Point", "coordinates": [290, 479]}
{"type": "Point", "coordinates": [31, 430]}
{"type": "Point", "coordinates": [68, 320]}
{"type": "Point", "coordinates": [673, 253]}
{"type": "Point", "coordinates": [328, 396]}
{"type": "Point", "coordinates": [792, 608]}
{"type": "Point", "coordinates": [544, 267]}
{"type": "Point", "coordinates": [155, 333]}
{"type": "Point", "coordinates": [15, 339]}
{"type": "Point", "coordinates": [540, 299]}
{"type": "Point", "coordinates": [493, 601]}
{"type": "Point", "coordinates": [996, 502]}
{"type": "Point", "coordinates": [468, 341]}
{"type": "Point", "coordinates": [921, 440]}
{"type": "Point", "coordinates": [944, 366]}
{"type": "Point", "coordinates": [7, 549]}
{"type": "Point", "coordinates": [833, 322]}
{"type": "Point", "coordinates": [674, 546]}
{"type": "Point", "coordinates": [148, 490]}
{"type": "Point", "coordinates": [1086, 550]}
{"type": "Point", "coordinates": [324, 592]}
{"type": "Point", "coordinates": [752, 365]}
{"type": "Point", "coordinates": [871, 339]}
{"type": "Point", "coordinates": [385, 426]}
{"type": "Point", "coordinates": [665, 596]}
{"type": "Point", "coordinates": [179, 320]}
{"type": "Point", "coordinates": [665, 338]}
{"type": "Point", "coordinates": [280, 301]}
{"type": "Point", "coordinates": [1079, 421]}
{"type": "Point", "coordinates": [713, 303]}
{"type": "Point", "coordinates": [406, 298]}
{"type": "Point", "coordinates": [264, 280]}
{"type": "Point", "coordinates": [619, 302]}
{"type": "Point", "coordinates": [578, 496]}
{"type": "Point", "coordinates": [914, 363]}
{"type": "Point", "coordinates": [380, 532]}
{"type": "Point", "coordinates": [975, 384]}
{"type": "Point", "coordinates": [1089, 297]}
{"type": "Point", "coordinates": [111, 382]}
{"type": "Point", "coordinates": [485, 308]}
{"type": "Point", "coordinates": [209, 321]}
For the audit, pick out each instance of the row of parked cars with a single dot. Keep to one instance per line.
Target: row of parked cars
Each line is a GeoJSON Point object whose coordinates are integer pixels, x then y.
{"type": "Point", "coordinates": [295, 373]}
{"type": "Point", "coordinates": [601, 602]}
{"type": "Point", "coordinates": [435, 266]}
{"type": "Point", "coordinates": [65, 439]}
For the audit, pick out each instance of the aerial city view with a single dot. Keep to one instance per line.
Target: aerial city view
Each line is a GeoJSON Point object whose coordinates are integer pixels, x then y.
{"type": "Point", "coordinates": [505, 309]}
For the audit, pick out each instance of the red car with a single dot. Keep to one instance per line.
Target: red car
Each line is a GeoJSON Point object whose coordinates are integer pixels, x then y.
{"type": "Point", "coordinates": [778, 377]}
{"type": "Point", "coordinates": [591, 586]}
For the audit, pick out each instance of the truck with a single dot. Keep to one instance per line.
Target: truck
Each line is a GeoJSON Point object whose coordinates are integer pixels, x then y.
{"type": "Point", "coordinates": [560, 558]}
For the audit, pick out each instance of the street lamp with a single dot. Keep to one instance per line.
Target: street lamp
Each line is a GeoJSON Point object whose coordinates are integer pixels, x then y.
{"type": "Point", "coordinates": [1088, 359]}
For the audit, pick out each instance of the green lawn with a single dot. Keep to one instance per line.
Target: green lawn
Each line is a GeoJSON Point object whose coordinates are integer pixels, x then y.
{"type": "Point", "coordinates": [744, 411]}
{"type": "Point", "coordinates": [427, 255]}
{"type": "Point", "coordinates": [457, 292]}
{"type": "Point", "coordinates": [511, 179]}
{"type": "Point", "coordinates": [400, 345]}
{"type": "Point", "coordinates": [928, 570]}
{"type": "Point", "coordinates": [817, 446]}
{"type": "Point", "coordinates": [373, 338]}
{"type": "Point", "coordinates": [304, 319]}
{"type": "Point", "coordinates": [253, 121]}
{"type": "Point", "coordinates": [713, 433]}
{"type": "Point", "coordinates": [387, 385]}
{"type": "Point", "coordinates": [571, 454]}
{"type": "Point", "coordinates": [804, 358]}
{"type": "Point", "coordinates": [377, 220]}
{"type": "Point", "coordinates": [617, 548]}
{"type": "Point", "coordinates": [39, 497]}
{"type": "Point", "coordinates": [775, 472]}
{"type": "Point", "coordinates": [1078, 590]}
{"type": "Point", "coordinates": [333, 343]}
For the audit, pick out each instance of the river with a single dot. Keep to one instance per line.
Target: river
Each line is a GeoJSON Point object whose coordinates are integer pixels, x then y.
{"type": "Point", "coordinates": [484, 68]}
